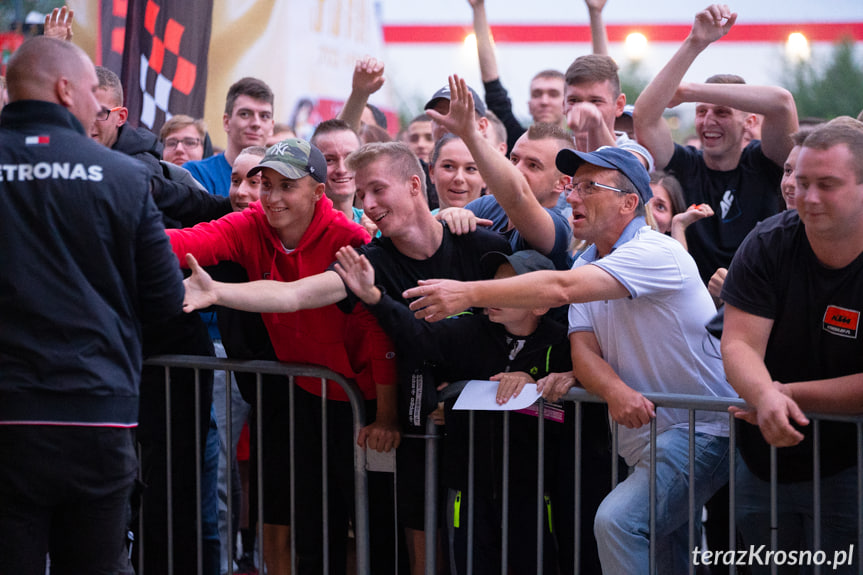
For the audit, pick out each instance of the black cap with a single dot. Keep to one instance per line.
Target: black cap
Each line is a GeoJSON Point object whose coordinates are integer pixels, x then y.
{"type": "Point", "coordinates": [522, 262]}
{"type": "Point", "coordinates": [444, 94]}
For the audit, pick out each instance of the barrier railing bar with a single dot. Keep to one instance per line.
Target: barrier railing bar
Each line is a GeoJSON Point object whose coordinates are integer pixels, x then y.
{"type": "Point", "coordinates": [169, 471]}
{"type": "Point", "coordinates": [504, 520]}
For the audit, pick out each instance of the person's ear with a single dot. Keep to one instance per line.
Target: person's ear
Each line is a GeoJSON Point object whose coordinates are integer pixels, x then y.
{"type": "Point", "coordinates": [482, 126]}
{"type": "Point", "coordinates": [619, 105]}
{"type": "Point", "coordinates": [63, 91]}
{"type": "Point", "coordinates": [416, 185]}
{"type": "Point", "coordinates": [630, 202]}
{"type": "Point", "coordinates": [122, 116]}
{"type": "Point", "coordinates": [226, 118]}
{"type": "Point", "coordinates": [319, 191]}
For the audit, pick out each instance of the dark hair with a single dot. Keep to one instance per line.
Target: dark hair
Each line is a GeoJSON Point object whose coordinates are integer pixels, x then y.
{"type": "Point", "coordinates": [593, 68]}
{"type": "Point", "coordinates": [439, 145]}
{"type": "Point", "coordinates": [330, 126]}
{"type": "Point", "coordinates": [379, 116]}
{"type": "Point", "coordinates": [109, 81]}
{"type": "Point", "coordinates": [421, 118]}
{"type": "Point", "coordinates": [672, 185]}
{"type": "Point", "coordinates": [251, 87]}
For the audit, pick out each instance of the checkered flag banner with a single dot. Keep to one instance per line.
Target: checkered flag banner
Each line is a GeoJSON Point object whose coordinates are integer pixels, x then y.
{"type": "Point", "coordinates": [165, 49]}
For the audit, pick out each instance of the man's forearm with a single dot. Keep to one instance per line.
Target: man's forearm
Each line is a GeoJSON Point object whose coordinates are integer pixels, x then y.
{"type": "Point", "coordinates": [837, 395]}
{"type": "Point", "coordinates": [269, 296]}
{"type": "Point", "coordinates": [745, 370]}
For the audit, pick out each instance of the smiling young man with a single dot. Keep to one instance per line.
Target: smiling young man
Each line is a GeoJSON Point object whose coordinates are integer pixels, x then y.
{"type": "Point", "coordinates": [248, 121]}
{"type": "Point", "coordinates": [740, 184]}
{"type": "Point", "coordinates": [336, 140]}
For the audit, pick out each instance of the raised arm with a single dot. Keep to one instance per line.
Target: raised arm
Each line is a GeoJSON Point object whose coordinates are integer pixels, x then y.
{"type": "Point", "coordinates": [651, 131]}
{"type": "Point", "coordinates": [502, 178]}
{"type": "Point", "coordinates": [598, 34]}
{"type": "Point", "coordinates": [262, 296]}
{"type": "Point", "coordinates": [58, 24]}
{"type": "Point", "coordinates": [368, 79]}
{"type": "Point", "coordinates": [744, 342]}
{"type": "Point", "coordinates": [776, 104]}
{"type": "Point", "coordinates": [484, 48]}
{"type": "Point", "coordinates": [438, 299]}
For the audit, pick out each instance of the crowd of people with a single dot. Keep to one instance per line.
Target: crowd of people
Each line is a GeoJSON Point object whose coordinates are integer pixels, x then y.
{"type": "Point", "coordinates": [588, 249]}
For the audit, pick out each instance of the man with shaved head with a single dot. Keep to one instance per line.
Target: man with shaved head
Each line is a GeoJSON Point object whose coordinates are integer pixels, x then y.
{"type": "Point", "coordinates": [85, 257]}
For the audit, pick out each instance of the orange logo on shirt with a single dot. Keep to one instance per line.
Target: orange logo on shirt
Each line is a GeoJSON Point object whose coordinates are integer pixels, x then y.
{"type": "Point", "coordinates": [841, 321]}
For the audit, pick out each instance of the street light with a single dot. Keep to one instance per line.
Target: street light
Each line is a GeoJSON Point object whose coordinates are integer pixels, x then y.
{"type": "Point", "coordinates": [797, 47]}
{"type": "Point", "coordinates": [635, 46]}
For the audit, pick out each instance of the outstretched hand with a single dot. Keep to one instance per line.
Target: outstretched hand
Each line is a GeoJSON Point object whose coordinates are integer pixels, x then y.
{"type": "Point", "coordinates": [713, 23]}
{"type": "Point", "coordinates": [358, 274]}
{"type": "Point", "coordinates": [437, 299]}
{"type": "Point", "coordinates": [200, 287]}
{"type": "Point", "coordinates": [368, 76]}
{"type": "Point", "coordinates": [58, 24]}
{"type": "Point", "coordinates": [460, 118]}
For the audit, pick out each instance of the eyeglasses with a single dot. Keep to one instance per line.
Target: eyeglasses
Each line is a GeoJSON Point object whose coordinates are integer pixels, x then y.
{"type": "Point", "coordinates": [584, 189]}
{"type": "Point", "coordinates": [105, 112]}
{"type": "Point", "coordinates": [172, 143]}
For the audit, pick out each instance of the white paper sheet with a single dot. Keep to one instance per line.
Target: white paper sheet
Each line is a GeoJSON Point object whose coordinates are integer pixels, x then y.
{"type": "Point", "coordinates": [480, 395]}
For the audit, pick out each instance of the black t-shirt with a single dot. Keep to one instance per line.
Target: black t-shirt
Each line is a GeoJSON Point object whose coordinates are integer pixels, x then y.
{"type": "Point", "coordinates": [816, 313]}
{"type": "Point", "coordinates": [458, 258]}
{"type": "Point", "coordinates": [740, 198]}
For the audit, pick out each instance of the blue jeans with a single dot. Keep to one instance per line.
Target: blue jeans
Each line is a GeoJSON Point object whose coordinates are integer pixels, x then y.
{"type": "Point", "coordinates": [623, 519]}
{"type": "Point", "coordinates": [795, 517]}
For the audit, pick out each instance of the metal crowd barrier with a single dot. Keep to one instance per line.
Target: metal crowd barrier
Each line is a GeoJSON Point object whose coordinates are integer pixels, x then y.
{"type": "Point", "coordinates": [432, 438]}
{"type": "Point", "coordinates": [692, 403]}
{"type": "Point", "coordinates": [290, 371]}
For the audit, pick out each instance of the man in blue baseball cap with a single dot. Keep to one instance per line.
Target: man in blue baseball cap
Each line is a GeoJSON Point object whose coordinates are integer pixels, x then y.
{"type": "Point", "coordinates": [630, 284]}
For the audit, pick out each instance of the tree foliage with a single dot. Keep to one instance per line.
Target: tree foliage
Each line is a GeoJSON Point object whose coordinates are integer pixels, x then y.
{"type": "Point", "coordinates": [832, 89]}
